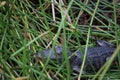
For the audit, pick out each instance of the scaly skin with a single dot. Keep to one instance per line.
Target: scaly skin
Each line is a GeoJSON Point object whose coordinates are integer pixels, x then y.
{"type": "Point", "coordinates": [96, 56]}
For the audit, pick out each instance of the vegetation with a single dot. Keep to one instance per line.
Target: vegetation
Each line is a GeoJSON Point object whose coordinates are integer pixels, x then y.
{"type": "Point", "coordinates": [30, 26]}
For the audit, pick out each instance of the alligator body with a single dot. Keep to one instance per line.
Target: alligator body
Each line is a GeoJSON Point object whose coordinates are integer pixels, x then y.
{"type": "Point", "coordinates": [96, 56]}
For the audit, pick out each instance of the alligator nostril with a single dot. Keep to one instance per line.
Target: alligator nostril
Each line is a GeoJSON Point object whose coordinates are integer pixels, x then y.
{"type": "Point", "coordinates": [58, 49]}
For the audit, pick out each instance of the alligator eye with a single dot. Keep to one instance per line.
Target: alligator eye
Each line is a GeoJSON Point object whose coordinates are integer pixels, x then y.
{"type": "Point", "coordinates": [105, 43]}
{"type": "Point", "coordinates": [107, 58]}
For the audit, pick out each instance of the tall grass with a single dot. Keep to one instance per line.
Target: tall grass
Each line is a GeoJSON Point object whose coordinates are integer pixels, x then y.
{"type": "Point", "coordinates": [27, 28]}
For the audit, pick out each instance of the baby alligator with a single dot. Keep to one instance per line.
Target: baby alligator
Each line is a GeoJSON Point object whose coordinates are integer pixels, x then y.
{"type": "Point", "coordinates": [96, 56]}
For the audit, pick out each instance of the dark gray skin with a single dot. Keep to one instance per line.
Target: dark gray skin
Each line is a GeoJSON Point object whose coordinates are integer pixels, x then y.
{"type": "Point", "coordinates": [96, 56]}
{"type": "Point", "coordinates": [52, 53]}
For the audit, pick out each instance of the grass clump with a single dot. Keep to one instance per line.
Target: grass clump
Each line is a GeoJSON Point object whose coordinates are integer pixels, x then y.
{"type": "Point", "coordinates": [30, 26]}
